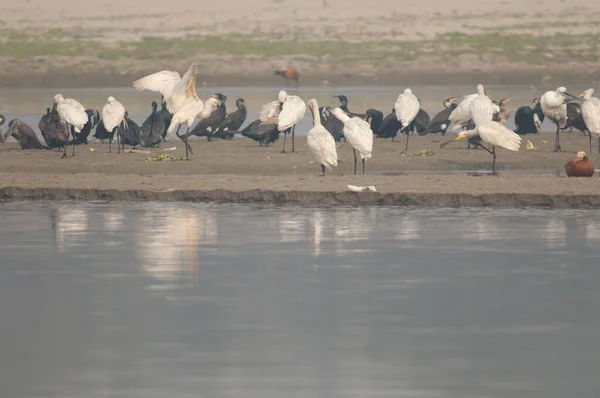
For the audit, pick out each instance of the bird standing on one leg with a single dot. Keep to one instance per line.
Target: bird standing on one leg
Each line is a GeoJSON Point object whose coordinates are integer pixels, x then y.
{"type": "Point", "coordinates": [407, 106]}
{"type": "Point", "coordinates": [555, 109]}
{"type": "Point", "coordinates": [359, 134]}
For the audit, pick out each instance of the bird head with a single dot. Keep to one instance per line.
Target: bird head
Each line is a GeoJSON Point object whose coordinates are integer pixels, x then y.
{"type": "Point", "coordinates": [58, 98]}
{"type": "Point", "coordinates": [212, 103]}
{"type": "Point", "coordinates": [154, 105]}
{"type": "Point", "coordinates": [111, 99]}
{"type": "Point", "coordinates": [240, 102]}
{"type": "Point", "coordinates": [13, 127]}
{"type": "Point", "coordinates": [580, 156]}
{"type": "Point", "coordinates": [461, 135]}
{"type": "Point", "coordinates": [282, 96]}
{"type": "Point", "coordinates": [407, 91]}
{"type": "Point", "coordinates": [2, 119]}
{"type": "Point", "coordinates": [587, 94]}
{"type": "Point", "coordinates": [480, 89]}
{"type": "Point", "coordinates": [313, 105]}
{"type": "Point", "coordinates": [505, 101]}
{"type": "Point", "coordinates": [536, 101]}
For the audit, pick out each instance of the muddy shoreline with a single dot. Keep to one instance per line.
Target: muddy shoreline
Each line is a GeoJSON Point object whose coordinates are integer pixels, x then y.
{"type": "Point", "coordinates": [258, 196]}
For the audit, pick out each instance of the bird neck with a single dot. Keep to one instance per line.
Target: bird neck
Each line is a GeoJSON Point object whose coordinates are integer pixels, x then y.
{"type": "Point", "coordinates": [316, 118]}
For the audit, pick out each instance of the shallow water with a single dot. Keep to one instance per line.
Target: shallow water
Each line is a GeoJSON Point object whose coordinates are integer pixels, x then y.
{"type": "Point", "coordinates": [30, 104]}
{"type": "Point", "coordinates": [178, 300]}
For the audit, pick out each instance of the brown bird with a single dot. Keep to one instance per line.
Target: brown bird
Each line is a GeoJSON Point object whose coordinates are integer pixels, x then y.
{"type": "Point", "coordinates": [504, 113]}
{"type": "Point", "coordinates": [580, 166]}
{"type": "Point", "coordinates": [289, 73]}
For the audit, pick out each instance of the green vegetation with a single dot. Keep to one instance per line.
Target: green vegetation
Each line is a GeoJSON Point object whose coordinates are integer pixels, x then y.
{"type": "Point", "coordinates": [523, 48]}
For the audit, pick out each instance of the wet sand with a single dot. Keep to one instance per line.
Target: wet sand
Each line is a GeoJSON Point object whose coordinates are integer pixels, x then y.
{"type": "Point", "coordinates": [242, 171]}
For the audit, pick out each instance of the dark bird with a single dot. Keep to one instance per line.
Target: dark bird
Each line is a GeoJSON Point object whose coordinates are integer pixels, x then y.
{"type": "Point", "coordinates": [93, 120]}
{"type": "Point", "coordinates": [54, 130]}
{"type": "Point", "coordinates": [331, 123]}
{"type": "Point", "coordinates": [233, 121]}
{"type": "Point", "coordinates": [103, 134]}
{"type": "Point", "coordinates": [2, 120]}
{"type": "Point", "coordinates": [344, 106]}
{"type": "Point", "coordinates": [440, 122]}
{"type": "Point", "coordinates": [24, 135]}
{"type": "Point", "coordinates": [206, 127]}
{"type": "Point", "coordinates": [575, 117]}
{"type": "Point", "coordinates": [289, 73]}
{"type": "Point", "coordinates": [374, 118]}
{"type": "Point", "coordinates": [419, 123]}
{"type": "Point", "coordinates": [167, 116]}
{"type": "Point", "coordinates": [129, 132]}
{"type": "Point", "coordinates": [580, 166]}
{"type": "Point", "coordinates": [389, 126]}
{"type": "Point", "coordinates": [153, 127]}
{"type": "Point", "coordinates": [263, 132]}
{"type": "Point", "coordinates": [528, 120]}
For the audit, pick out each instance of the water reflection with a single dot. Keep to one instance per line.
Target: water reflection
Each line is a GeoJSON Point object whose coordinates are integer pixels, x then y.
{"type": "Point", "coordinates": [256, 301]}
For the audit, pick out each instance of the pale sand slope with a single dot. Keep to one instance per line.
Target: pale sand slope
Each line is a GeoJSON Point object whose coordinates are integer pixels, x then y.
{"type": "Point", "coordinates": [400, 19]}
{"type": "Point", "coordinates": [415, 28]}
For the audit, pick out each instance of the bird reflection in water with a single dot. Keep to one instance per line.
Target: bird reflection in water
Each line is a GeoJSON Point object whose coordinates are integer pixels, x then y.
{"type": "Point", "coordinates": [70, 226]}
{"type": "Point", "coordinates": [169, 253]}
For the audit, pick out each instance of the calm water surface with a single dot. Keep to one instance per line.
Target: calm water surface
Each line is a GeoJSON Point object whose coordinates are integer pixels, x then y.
{"type": "Point", "coordinates": [177, 300]}
{"type": "Point", "coordinates": [30, 104]}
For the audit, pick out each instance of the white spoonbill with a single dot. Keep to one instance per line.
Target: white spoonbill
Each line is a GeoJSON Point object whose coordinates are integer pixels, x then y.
{"type": "Point", "coordinates": [72, 113]}
{"type": "Point", "coordinates": [591, 115]}
{"type": "Point", "coordinates": [481, 109]}
{"type": "Point", "coordinates": [407, 106]}
{"type": "Point", "coordinates": [493, 133]}
{"type": "Point", "coordinates": [174, 88]}
{"type": "Point", "coordinates": [461, 115]}
{"type": "Point", "coordinates": [191, 110]}
{"type": "Point", "coordinates": [113, 114]}
{"type": "Point", "coordinates": [555, 109]}
{"type": "Point", "coordinates": [289, 110]}
{"type": "Point", "coordinates": [320, 142]}
{"type": "Point", "coordinates": [358, 133]}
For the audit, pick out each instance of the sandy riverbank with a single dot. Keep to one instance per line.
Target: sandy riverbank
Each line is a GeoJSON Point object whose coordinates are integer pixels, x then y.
{"type": "Point", "coordinates": [241, 171]}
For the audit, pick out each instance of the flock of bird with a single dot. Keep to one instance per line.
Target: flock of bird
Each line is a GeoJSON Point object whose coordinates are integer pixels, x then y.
{"type": "Point", "coordinates": [481, 121]}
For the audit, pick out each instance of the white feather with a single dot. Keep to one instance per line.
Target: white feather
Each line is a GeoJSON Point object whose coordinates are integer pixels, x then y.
{"type": "Point", "coordinates": [269, 110]}
{"type": "Point", "coordinates": [71, 111]}
{"type": "Point", "coordinates": [357, 132]}
{"type": "Point", "coordinates": [292, 112]}
{"type": "Point", "coordinates": [591, 114]}
{"type": "Point", "coordinates": [113, 114]}
{"type": "Point", "coordinates": [407, 106]}
{"type": "Point", "coordinates": [461, 115]}
{"type": "Point", "coordinates": [554, 107]}
{"type": "Point", "coordinates": [171, 85]}
{"type": "Point", "coordinates": [320, 141]}
{"type": "Point", "coordinates": [497, 134]}
{"type": "Point", "coordinates": [537, 122]}
{"type": "Point", "coordinates": [482, 108]}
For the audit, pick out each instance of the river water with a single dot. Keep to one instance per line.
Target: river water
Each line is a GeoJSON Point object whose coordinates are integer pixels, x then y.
{"type": "Point", "coordinates": [30, 104]}
{"type": "Point", "coordinates": [178, 300]}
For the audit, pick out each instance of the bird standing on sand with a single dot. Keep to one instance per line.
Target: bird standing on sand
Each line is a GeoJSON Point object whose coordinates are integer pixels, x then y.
{"type": "Point", "coordinates": [130, 132]}
{"type": "Point", "coordinates": [24, 135]}
{"type": "Point", "coordinates": [233, 121]}
{"type": "Point", "coordinates": [407, 106]}
{"type": "Point", "coordinates": [289, 73]}
{"type": "Point", "coordinates": [358, 133]}
{"type": "Point", "coordinates": [590, 109]}
{"type": "Point", "coordinates": [53, 130]}
{"type": "Point", "coordinates": [193, 109]}
{"type": "Point", "coordinates": [555, 109]}
{"type": "Point", "coordinates": [153, 127]}
{"type": "Point", "coordinates": [493, 133]}
{"type": "Point", "coordinates": [580, 166]}
{"type": "Point", "coordinates": [113, 114]}
{"type": "Point", "coordinates": [289, 110]}
{"type": "Point", "coordinates": [72, 113]}
{"type": "Point", "coordinates": [320, 142]}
